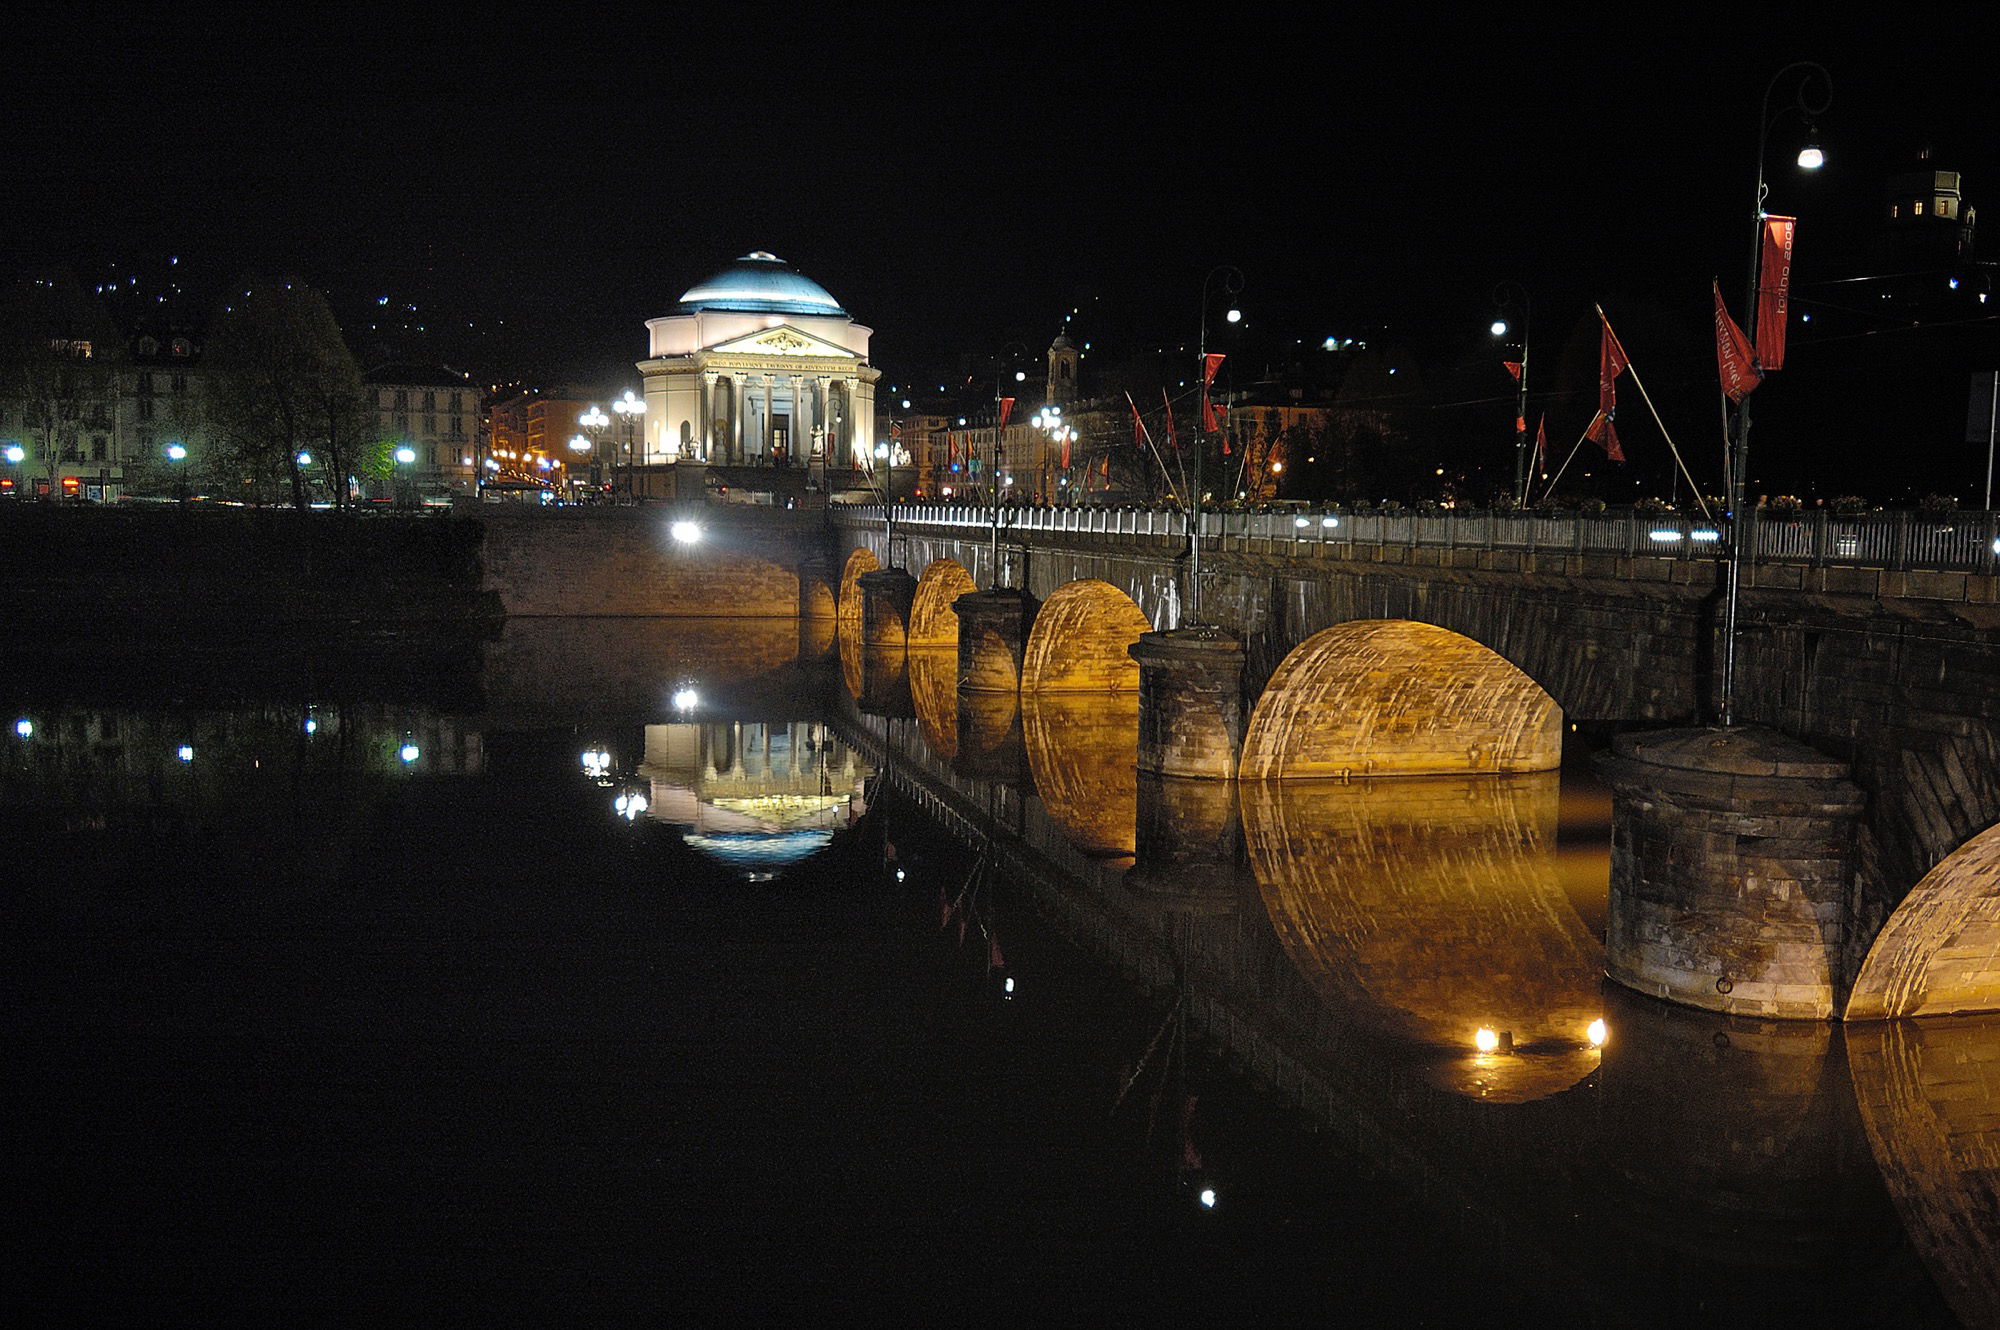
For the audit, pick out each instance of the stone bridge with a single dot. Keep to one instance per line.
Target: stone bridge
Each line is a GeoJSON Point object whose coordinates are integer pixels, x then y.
{"type": "Point", "coordinates": [1773, 868]}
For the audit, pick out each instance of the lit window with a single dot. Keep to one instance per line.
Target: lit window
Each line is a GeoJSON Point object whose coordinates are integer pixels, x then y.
{"type": "Point", "coordinates": [1917, 208]}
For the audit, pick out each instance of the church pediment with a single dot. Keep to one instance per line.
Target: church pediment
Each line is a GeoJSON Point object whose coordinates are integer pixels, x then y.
{"type": "Point", "coordinates": [783, 340]}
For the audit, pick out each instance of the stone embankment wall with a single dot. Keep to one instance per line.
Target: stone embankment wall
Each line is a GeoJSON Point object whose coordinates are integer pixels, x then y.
{"type": "Point", "coordinates": [626, 561]}
{"type": "Point", "coordinates": [163, 571]}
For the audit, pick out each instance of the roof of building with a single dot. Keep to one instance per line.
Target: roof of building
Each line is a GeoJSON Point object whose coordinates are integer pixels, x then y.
{"type": "Point", "coordinates": [761, 283]}
{"type": "Point", "coordinates": [411, 374]}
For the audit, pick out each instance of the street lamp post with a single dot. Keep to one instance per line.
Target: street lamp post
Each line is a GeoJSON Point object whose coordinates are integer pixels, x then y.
{"type": "Point", "coordinates": [175, 453]}
{"type": "Point", "coordinates": [1503, 298]}
{"type": "Point", "coordinates": [633, 409]}
{"type": "Point", "coordinates": [405, 457]}
{"type": "Point", "coordinates": [1232, 283]}
{"type": "Point", "coordinates": [594, 423]}
{"type": "Point", "coordinates": [1810, 158]}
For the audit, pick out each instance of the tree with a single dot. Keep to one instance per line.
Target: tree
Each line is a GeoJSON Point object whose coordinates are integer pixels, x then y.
{"type": "Point", "coordinates": [283, 385]}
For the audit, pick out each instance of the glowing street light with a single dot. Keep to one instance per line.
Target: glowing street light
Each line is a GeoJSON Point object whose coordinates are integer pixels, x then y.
{"type": "Point", "coordinates": [631, 408]}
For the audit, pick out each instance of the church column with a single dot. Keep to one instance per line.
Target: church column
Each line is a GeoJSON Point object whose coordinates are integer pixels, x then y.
{"type": "Point", "coordinates": [705, 414]}
{"type": "Point", "coordinates": [741, 422]}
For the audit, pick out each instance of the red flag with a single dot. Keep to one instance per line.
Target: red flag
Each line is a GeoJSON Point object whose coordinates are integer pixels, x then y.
{"type": "Point", "coordinates": [1740, 375]}
{"type": "Point", "coordinates": [1514, 368]}
{"type": "Point", "coordinates": [993, 956]}
{"type": "Point", "coordinates": [1172, 436]}
{"type": "Point", "coordinates": [1611, 362]}
{"type": "Point", "coordinates": [1774, 282]}
{"type": "Point", "coordinates": [1138, 426]}
{"type": "Point", "coordinates": [1065, 450]}
{"type": "Point", "coordinates": [1107, 470]}
{"type": "Point", "coordinates": [1006, 411]}
{"type": "Point", "coordinates": [1209, 364]}
{"type": "Point", "coordinates": [1542, 443]}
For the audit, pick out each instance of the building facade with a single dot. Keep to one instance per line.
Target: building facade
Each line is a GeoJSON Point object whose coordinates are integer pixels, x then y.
{"type": "Point", "coordinates": [758, 365]}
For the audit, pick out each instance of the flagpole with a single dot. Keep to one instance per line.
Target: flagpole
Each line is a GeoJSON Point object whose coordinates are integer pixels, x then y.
{"type": "Point", "coordinates": [1647, 398]}
{"type": "Point", "coordinates": [1739, 479]}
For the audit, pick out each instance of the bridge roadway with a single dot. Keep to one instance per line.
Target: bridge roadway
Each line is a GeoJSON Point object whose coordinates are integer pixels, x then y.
{"type": "Point", "coordinates": [1870, 640]}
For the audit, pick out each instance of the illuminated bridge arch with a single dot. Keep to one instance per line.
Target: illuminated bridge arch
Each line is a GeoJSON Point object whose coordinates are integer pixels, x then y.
{"type": "Point", "coordinates": [1940, 950]}
{"type": "Point", "coordinates": [1081, 641]}
{"type": "Point", "coordinates": [849, 609]}
{"type": "Point", "coordinates": [1390, 697]}
{"type": "Point", "coordinates": [933, 622]}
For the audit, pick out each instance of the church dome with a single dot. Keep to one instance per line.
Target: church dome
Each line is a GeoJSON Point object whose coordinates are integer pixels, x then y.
{"type": "Point", "coordinates": [760, 283]}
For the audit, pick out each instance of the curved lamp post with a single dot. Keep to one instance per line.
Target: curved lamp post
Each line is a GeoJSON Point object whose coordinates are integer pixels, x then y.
{"type": "Point", "coordinates": [1503, 300]}
{"type": "Point", "coordinates": [1232, 283]}
{"type": "Point", "coordinates": [1810, 159]}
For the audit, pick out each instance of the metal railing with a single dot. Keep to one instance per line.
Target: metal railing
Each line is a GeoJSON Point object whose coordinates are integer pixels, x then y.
{"type": "Point", "coordinates": [1890, 541]}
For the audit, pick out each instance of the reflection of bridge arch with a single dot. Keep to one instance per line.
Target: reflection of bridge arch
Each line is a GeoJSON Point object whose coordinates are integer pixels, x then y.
{"type": "Point", "coordinates": [933, 622]}
{"type": "Point", "coordinates": [1940, 950]}
{"type": "Point", "coordinates": [1434, 905]}
{"type": "Point", "coordinates": [1080, 751]}
{"type": "Point", "coordinates": [1395, 697]}
{"type": "Point", "coordinates": [859, 562]}
{"type": "Point", "coordinates": [1081, 641]}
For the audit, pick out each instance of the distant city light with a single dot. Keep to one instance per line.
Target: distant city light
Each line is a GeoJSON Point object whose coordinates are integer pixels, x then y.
{"type": "Point", "coordinates": [15, 453]}
{"type": "Point", "coordinates": [1485, 1039]}
{"type": "Point", "coordinates": [185, 752]}
{"type": "Point", "coordinates": [1597, 1033]}
{"type": "Point", "coordinates": [409, 455]}
{"type": "Point", "coordinates": [1208, 1198]}
{"type": "Point", "coordinates": [686, 699]}
{"type": "Point", "coordinates": [687, 533]}
{"type": "Point", "coordinates": [25, 728]}
{"type": "Point", "coordinates": [409, 752]}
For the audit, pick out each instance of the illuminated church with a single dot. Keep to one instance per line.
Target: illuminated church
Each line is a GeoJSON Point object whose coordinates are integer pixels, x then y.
{"type": "Point", "coordinates": [758, 365]}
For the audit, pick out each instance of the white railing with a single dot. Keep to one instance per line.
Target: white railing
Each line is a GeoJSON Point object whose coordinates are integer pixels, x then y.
{"type": "Point", "coordinates": [1894, 541]}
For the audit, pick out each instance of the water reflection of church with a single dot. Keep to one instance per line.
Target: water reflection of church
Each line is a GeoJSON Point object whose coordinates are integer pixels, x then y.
{"type": "Point", "coordinates": [758, 796]}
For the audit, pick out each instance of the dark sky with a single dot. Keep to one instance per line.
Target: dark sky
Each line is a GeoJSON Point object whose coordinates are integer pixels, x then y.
{"type": "Point", "coordinates": [959, 179]}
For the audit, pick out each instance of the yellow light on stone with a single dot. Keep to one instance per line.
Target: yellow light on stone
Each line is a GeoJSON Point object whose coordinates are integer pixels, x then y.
{"type": "Point", "coordinates": [1486, 1039]}
{"type": "Point", "coordinates": [1597, 1033]}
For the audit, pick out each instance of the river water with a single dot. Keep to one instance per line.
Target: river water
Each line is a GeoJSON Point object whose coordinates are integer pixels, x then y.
{"type": "Point", "coordinates": [643, 971]}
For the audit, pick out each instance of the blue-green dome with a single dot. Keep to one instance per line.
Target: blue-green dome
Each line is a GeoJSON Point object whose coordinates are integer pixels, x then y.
{"type": "Point", "coordinates": [760, 283]}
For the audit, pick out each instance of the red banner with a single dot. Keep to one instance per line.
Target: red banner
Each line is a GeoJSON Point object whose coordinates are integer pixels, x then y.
{"type": "Point", "coordinates": [1732, 354]}
{"type": "Point", "coordinates": [1173, 437]}
{"type": "Point", "coordinates": [1774, 284]}
{"type": "Point", "coordinates": [1138, 426]}
{"type": "Point", "coordinates": [1611, 362]}
{"type": "Point", "coordinates": [1065, 450]}
{"type": "Point", "coordinates": [1514, 368]}
{"type": "Point", "coordinates": [1006, 411]}
{"type": "Point", "coordinates": [1209, 364]}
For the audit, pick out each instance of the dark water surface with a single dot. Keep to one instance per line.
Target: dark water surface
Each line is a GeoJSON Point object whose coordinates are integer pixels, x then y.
{"type": "Point", "coordinates": [304, 1028]}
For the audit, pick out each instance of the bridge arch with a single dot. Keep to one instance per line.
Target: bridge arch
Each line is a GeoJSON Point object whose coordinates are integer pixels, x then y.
{"type": "Point", "coordinates": [1081, 641]}
{"type": "Point", "coordinates": [860, 561]}
{"type": "Point", "coordinates": [933, 622]}
{"type": "Point", "coordinates": [1940, 950]}
{"type": "Point", "coordinates": [1394, 697]}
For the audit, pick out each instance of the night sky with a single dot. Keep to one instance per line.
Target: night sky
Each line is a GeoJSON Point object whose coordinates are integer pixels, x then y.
{"type": "Point", "coordinates": [962, 181]}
